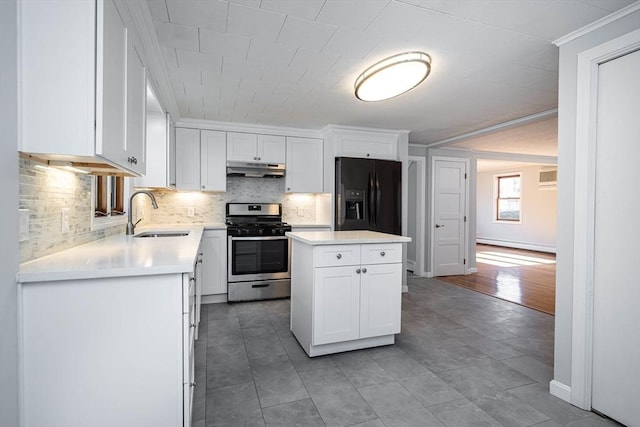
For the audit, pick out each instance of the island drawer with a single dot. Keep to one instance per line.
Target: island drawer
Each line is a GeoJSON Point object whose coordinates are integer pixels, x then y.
{"type": "Point", "coordinates": [336, 255]}
{"type": "Point", "coordinates": [382, 253]}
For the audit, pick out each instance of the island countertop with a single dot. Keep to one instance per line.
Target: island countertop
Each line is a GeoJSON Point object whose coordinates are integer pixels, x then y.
{"type": "Point", "coordinates": [118, 256]}
{"type": "Point", "coordinates": [345, 237]}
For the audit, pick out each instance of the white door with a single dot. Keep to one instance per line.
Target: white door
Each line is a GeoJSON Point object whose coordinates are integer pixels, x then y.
{"type": "Point", "coordinates": [449, 210]}
{"type": "Point", "coordinates": [271, 149]}
{"type": "Point", "coordinates": [213, 175]}
{"type": "Point", "coordinates": [242, 147]}
{"type": "Point", "coordinates": [187, 159]}
{"type": "Point", "coordinates": [380, 299]}
{"type": "Point", "coordinates": [616, 313]}
{"type": "Point", "coordinates": [336, 296]}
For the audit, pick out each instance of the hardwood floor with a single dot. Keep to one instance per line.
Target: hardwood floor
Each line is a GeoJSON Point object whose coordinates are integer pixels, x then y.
{"type": "Point", "coordinates": [525, 277]}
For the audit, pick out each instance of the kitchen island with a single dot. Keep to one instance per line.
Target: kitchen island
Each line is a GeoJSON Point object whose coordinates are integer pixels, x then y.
{"type": "Point", "coordinates": [346, 289]}
{"type": "Point", "coordinates": [107, 331]}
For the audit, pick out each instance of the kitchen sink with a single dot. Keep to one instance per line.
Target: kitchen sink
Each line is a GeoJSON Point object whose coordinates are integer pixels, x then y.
{"type": "Point", "coordinates": [162, 234]}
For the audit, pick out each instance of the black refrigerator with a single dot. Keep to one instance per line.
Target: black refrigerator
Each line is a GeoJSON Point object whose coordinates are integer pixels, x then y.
{"type": "Point", "coordinates": [368, 195]}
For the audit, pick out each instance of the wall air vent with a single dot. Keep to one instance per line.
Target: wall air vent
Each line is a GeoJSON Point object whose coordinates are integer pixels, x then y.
{"type": "Point", "coordinates": [548, 179]}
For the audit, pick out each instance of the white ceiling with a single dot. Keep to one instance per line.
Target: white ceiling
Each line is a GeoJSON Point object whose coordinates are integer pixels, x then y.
{"type": "Point", "coordinates": [294, 62]}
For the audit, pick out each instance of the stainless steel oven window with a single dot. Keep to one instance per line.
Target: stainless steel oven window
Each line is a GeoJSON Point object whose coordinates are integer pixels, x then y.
{"type": "Point", "coordinates": [258, 258]}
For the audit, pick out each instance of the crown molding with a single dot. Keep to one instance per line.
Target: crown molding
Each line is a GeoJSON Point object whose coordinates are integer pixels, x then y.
{"type": "Point", "coordinates": [633, 7]}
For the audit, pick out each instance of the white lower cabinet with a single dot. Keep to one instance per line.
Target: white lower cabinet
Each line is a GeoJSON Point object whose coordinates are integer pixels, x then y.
{"type": "Point", "coordinates": [340, 303]}
{"type": "Point", "coordinates": [113, 351]}
{"type": "Point", "coordinates": [214, 265]}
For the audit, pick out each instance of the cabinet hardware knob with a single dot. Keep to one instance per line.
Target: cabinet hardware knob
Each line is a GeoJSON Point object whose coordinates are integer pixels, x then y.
{"type": "Point", "coordinates": [382, 253]}
{"type": "Point", "coordinates": [358, 271]}
{"type": "Point", "coordinates": [203, 187]}
{"type": "Point", "coordinates": [368, 154]}
{"type": "Point", "coordinates": [339, 256]}
{"type": "Point", "coordinates": [364, 270]}
{"type": "Point", "coordinates": [288, 188]}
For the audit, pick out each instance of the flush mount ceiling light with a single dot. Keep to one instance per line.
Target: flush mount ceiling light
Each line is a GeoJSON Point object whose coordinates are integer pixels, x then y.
{"type": "Point", "coordinates": [393, 76]}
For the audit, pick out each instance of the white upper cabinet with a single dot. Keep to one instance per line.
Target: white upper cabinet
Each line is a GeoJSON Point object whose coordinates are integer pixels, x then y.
{"type": "Point", "coordinates": [213, 175]}
{"type": "Point", "coordinates": [161, 152]}
{"type": "Point", "coordinates": [304, 165]}
{"type": "Point", "coordinates": [82, 92]}
{"type": "Point", "coordinates": [200, 160]}
{"type": "Point", "coordinates": [187, 159]}
{"type": "Point", "coordinates": [252, 148]}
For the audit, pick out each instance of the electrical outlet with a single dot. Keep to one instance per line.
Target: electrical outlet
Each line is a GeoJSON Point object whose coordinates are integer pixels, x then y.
{"type": "Point", "coordinates": [300, 211]}
{"type": "Point", "coordinates": [24, 224]}
{"type": "Point", "coordinates": [64, 220]}
{"type": "Point", "coordinates": [191, 212]}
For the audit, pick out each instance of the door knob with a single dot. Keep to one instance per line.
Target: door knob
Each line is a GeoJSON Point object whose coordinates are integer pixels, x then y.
{"type": "Point", "coordinates": [439, 225]}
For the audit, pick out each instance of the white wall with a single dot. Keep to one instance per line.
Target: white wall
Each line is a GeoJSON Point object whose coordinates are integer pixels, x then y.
{"type": "Point", "coordinates": [411, 212]}
{"type": "Point", "coordinates": [567, 146]}
{"type": "Point", "coordinates": [537, 229]}
{"type": "Point", "coordinates": [9, 223]}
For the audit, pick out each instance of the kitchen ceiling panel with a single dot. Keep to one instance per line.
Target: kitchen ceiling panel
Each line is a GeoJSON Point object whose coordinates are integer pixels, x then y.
{"type": "Point", "coordinates": [354, 14]}
{"type": "Point", "coordinates": [307, 9]}
{"type": "Point", "coordinates": [253, 22]}
{"type": "Point", "coordinates": [305, 34]}
{"type": "Point", "coordinates": [294, 63]}
{"type": "Point", "coordinates": [209, 14]}
{"type": "Point", "coordinates": [264, 51]}
{"type": "Point", "coordinates": [224, 44]}
{"type": "Point", "coordinates": [177, 36]}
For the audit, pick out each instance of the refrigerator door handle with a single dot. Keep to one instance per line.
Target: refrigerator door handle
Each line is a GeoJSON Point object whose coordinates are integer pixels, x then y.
{"type": "Point", "coordinates": [371, 201]}
{"type": "Point", "coordinates": [378, 200]}
{"type": "Point", "coordinates": [342, 205]}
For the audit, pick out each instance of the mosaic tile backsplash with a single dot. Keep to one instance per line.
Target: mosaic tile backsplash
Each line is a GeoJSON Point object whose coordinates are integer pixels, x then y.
{"type": "Point", "coordinates": [210, 207]}
{"type": "Point", "coordinates": [46, 191]}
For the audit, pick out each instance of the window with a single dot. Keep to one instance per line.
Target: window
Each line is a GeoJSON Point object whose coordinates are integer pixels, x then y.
{"type": "Point", "coordinates": [508, 198]}
{"type": "Point", "coordinates": [108, 201]}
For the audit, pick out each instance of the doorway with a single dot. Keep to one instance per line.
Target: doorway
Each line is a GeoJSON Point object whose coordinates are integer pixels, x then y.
{"type": "Point", "coordinates": [416, 215]}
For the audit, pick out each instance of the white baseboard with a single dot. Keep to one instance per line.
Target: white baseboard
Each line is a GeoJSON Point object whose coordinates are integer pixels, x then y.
{"type": "Point", "coordinates": [429, 274]}
{"type": "Point", "coordinates": [411, 265]}
{"type": "Point", "coordinates": [405, 289]}
{"type": "Point", "coordinates": [213, 299]}
{"type": "Point", "coordinates": [559, 390]}
{"type": "Point", "coordinates": [517, 245]}
{"type": "Point", "coordinates": [472, 270]}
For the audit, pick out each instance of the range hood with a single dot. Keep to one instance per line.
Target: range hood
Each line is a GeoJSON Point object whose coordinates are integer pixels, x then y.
{"type": "Point", "coordinates": [255, 170]}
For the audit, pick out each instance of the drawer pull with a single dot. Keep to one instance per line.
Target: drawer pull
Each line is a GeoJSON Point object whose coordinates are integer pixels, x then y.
{"type": "Point", "coordinates": [339, 256]}
{"type": "Point", "coordinates": [364, 270]}
{"type": "Point", "coordinates": [262, 285]}
{"type": "Point", "coordinates": [358, 271]}
{"type": "Point", "coordinates": [382, 253]}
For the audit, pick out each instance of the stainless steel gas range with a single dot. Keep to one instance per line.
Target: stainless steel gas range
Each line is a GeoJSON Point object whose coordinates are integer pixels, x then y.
{"type": "Point", "coordinates": [258, 252]}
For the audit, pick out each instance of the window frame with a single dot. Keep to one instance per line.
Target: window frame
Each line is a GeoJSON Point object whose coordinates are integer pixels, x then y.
{"type": "Point", "coordinates": [106, 199]}
{"type": "Point", "coordinates": [497, 198]}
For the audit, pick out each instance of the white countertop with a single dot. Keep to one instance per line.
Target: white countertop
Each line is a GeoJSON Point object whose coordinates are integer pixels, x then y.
{"type": "Point", "coordinates": [119, 256]}
{"type": "Point", "coordinates": [345, 237]}
{"type": "Point", "coordinates": [307, 225]}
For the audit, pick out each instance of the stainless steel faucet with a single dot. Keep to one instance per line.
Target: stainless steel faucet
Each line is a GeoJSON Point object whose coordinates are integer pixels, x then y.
{"type": "Point", "coordinates": [131, 227]}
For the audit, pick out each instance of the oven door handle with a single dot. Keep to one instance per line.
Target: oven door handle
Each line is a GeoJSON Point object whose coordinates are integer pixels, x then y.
{"type": "Point", "coordinates": [260, 238]}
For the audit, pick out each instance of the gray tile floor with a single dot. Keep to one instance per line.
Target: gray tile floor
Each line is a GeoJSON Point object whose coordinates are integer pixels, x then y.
{"type": "Point", "coordinates": [462, 359]}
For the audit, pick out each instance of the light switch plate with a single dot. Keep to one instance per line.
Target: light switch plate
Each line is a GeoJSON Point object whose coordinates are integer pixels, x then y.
{"type": "Point", "coordinates": [24, 224]}
{"type": "Point", "coordinates": [191, 211]}
{"type": "Point", "coordinates": [300, 211]}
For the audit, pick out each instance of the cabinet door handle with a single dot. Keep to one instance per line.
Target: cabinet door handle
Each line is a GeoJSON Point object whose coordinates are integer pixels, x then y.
{"type": "Point", "coordinates": [358, 271]}
{"type": "Point", "coordinates": [439, 225]}
{"type": "Point", "coordinates": [339, 256]}
{"type": "Point", "coordinates": [364, 270]}
{"type": "Point", "coordinates": [382, 253]}
{"type": "Point", "coordinates": [193, 325]}
{"type": "Point", "coordinates": [193, 384]}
